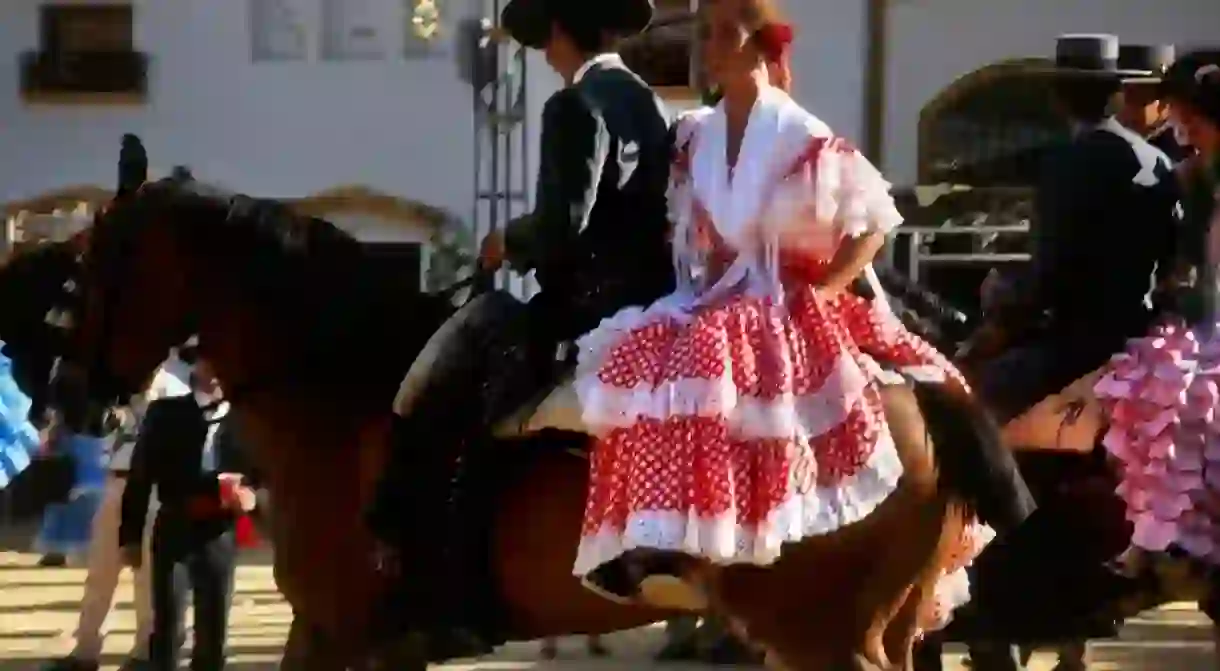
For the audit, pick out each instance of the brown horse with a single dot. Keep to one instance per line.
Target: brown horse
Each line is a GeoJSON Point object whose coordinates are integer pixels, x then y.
{"type": "Point", "coordinates": [311, 352]}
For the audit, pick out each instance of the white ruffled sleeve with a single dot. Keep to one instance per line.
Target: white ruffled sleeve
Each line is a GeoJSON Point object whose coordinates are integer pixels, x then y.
{"type": "Point", "coordinates": [850, 192]}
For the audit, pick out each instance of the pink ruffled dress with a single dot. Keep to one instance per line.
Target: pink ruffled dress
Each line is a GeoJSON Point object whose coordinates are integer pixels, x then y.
{"type": "Point", "coordinates": [1163, 399]}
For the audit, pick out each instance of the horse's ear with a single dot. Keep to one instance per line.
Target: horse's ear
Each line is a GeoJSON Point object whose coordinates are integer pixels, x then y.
{"type": "Point", "coordinates": [133, 166]}
{"type": "Point", "coordinates": [181, 173]}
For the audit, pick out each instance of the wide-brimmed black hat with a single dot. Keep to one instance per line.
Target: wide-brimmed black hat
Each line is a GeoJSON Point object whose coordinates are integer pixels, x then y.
{"type": "Point", "coordinates": [1151, 60]}
{"type": "Point", "coordinates": [1091, 55]}
{"type": "Point", "coordinates": [529, 21]}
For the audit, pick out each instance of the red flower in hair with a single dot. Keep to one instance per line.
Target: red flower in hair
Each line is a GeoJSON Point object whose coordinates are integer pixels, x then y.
{"type": "Point", "coordinates": [773, 40]}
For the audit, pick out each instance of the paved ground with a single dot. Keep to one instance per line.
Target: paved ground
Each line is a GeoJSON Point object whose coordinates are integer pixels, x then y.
{"type": "Point", "coordinates": [38, 612]}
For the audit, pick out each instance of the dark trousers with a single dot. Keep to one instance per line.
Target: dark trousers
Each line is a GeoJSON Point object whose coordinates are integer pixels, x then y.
{"type": "Point", "coordinates": [201, 560]}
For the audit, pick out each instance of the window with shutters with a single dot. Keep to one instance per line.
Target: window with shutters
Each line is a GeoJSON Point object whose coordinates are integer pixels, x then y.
{"type": "Point", "coordinates": [87, 53]}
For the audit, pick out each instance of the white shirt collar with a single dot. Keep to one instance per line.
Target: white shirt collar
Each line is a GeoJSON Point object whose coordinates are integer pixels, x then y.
{"type": "Point", "coordinates": [608, 58]}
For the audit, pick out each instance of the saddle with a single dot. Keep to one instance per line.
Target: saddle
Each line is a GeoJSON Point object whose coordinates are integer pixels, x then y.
{"type": "Point", "coordinates": [556, 410]}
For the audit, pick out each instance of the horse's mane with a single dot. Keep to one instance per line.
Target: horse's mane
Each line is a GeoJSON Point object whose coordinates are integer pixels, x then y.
{"type": "Point", "coordinates": [356, 328]}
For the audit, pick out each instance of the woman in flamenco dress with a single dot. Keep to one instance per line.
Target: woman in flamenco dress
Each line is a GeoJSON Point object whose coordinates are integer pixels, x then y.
{"type": "Point", "coordinates": [1163, 393]}
{"type": "Point", "coordinates": [741, 412]}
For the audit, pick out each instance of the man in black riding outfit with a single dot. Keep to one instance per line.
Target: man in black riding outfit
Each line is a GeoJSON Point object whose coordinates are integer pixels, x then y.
{"type": "Point", "coordinates": [597, 241]}
{"type": "Point", "coordinates": [1103, 240]}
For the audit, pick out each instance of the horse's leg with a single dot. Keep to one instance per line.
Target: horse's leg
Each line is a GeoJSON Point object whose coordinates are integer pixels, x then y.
{"type": "Point", "coordinates": [903, 629]}
{"type": "Point", "coordinates": [309, 649]}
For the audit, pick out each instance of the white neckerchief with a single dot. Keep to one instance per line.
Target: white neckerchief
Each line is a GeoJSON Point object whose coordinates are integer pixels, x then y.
{"type": "Point", "coordinates": [1147, 153]}
{"type": "Point", "coordinates": [607, 59]}
{"type": "Point", "coordinates": [776, 132]}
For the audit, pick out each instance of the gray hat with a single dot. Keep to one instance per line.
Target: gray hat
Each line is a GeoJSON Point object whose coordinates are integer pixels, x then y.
{"type": "Point", "coordinates": [1151, 60]}
{"type": "Point", "coordinates": [1091, 55]}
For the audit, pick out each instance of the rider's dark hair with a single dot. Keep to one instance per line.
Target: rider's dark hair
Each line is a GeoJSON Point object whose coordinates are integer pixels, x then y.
{"type": "Point", "coordinates": [585, 28]}
{"type": "Point", "coordinates": [1085, 100]}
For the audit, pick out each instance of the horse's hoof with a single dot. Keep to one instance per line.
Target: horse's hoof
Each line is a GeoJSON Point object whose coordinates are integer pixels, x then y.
{"type": "Point", "coordinates": [672, 593]}
{"type": "Point", "coordinates": [136, 664]}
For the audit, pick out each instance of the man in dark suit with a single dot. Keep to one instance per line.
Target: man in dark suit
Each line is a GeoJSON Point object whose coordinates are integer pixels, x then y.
{"type": "Point", "coordinates": [1144, 109]}
{"type": "Point", "coordinates": [1106, 214]}
{"type": "Point", "coordinates": [185, 449]}
{"type": "Point", "coordinates": [597, 241]}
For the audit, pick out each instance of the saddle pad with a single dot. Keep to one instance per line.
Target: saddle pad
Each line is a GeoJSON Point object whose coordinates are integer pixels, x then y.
{"type": "Point", "coordinates": [1070, 421]}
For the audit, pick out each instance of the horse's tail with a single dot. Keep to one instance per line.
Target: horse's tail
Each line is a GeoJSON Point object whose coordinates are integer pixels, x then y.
{"type": "Point", "coordinates": [971, 458]}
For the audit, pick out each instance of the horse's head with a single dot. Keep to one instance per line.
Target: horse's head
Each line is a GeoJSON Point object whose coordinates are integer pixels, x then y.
{"type": "Point", "coordinates": [139, 293]}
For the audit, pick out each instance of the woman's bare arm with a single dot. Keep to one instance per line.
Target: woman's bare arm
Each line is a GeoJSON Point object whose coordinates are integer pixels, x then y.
{"type": "Point", "coordinates": [852, 257]}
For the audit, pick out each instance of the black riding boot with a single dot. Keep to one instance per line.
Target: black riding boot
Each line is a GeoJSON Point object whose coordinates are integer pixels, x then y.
{"type": "Point", "coordinates": [415, 513]}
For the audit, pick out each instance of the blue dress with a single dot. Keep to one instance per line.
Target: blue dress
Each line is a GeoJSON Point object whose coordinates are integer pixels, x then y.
{"type": "Point", "coordinates": [67, 527]}
{"type": "Point", "coordinates": [18, 437]}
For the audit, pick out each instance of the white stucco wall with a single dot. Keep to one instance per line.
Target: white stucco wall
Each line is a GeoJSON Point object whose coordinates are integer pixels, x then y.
{"type": "Point", "coordinates": [829, 61]}
{"type": "Point", "coordinates": [268, 128]}
{"type": "Point", "coordinates": [933, 42]}
{"type": "Point", "coordinates": [292, 128]}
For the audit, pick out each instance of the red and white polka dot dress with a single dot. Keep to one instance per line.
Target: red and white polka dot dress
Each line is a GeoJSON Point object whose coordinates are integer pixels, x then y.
{"type": "Point", "coordinates": [733, 421]}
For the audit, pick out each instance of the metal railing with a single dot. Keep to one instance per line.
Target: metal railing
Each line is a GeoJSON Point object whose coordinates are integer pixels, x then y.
{"type": "Point", "coordinates": [916, 236]}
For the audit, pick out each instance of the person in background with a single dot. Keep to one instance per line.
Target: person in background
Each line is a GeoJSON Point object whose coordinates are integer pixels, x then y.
{"type": "Point", "coordinates": [1142, 107]}
{"type": "Point", "coordinates": [193, 540]}
{"type": "Point", "coordinates": [105, 562]}
{"type": "Point", "coordinates": [66, 527]}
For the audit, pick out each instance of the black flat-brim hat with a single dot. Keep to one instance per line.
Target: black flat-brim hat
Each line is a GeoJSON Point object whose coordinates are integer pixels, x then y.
{"type": "Point", "coordinates": [1152, 60]}
{"type": "Point", "coordinates": [529, 21]}
{"type": "Point", "coordinates": [1090, 55]}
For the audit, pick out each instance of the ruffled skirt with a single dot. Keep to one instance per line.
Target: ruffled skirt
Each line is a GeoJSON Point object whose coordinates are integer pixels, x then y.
{"type": "Point", "coordinates": [18, 438]}
{"type": "Point", "coordinates": [1162, 395]}
{"type": "Point", "coordinates": [743, 426]}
